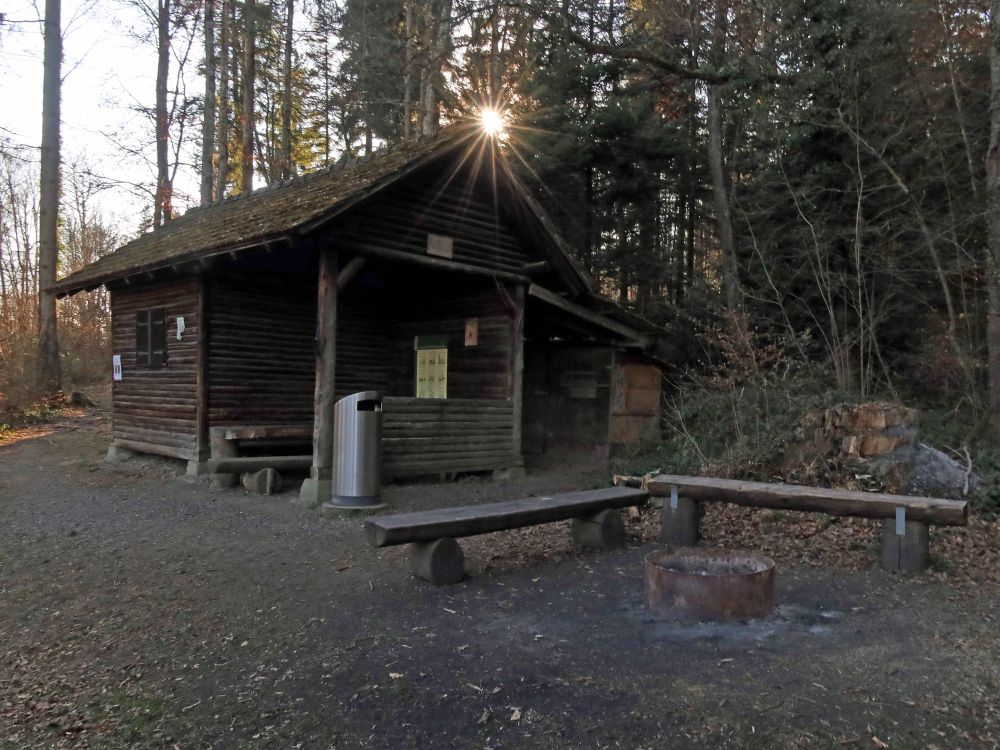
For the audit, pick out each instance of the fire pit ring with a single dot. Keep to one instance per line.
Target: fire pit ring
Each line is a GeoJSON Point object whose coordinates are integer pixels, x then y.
{"type": "Point", "coordinates": [714, 584]}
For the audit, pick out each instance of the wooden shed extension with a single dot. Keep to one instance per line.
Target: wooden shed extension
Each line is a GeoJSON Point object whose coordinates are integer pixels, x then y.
{"type": "Point", "coordinates": [260, 311]}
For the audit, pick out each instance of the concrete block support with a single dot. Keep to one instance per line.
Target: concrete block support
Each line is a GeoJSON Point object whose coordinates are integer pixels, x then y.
{"type": "Point", "coordinates": [117, 453]}
{"type": "Point", "coordinates": [441, 561]}
{"type": "Point", "coordinates": [315, 492]}
{"type": "Point", "coordinates": [506, 475]}
{"type": "Point", "coordinates": [604, 530]}
{"type": "Point", "coordinates": [907, 552]}
{"type": "Point", "coordinates": [679, 522]}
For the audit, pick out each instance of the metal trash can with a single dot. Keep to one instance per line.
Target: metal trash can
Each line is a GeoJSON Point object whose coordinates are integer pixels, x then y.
{"type": "Point", "coordinates": [357, 450]}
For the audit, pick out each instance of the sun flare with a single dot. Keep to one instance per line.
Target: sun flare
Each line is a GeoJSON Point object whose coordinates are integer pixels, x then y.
{"type": "Point", "coordinates": [493, 122]}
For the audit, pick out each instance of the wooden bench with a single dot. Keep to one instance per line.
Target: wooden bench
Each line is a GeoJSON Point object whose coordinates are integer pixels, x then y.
{"type": "Point", "coordinates": [226, 464]}
{"type": "Point", "coordinates": [437, 557]}
{"type": "Point", "coordinates": [905, 536]}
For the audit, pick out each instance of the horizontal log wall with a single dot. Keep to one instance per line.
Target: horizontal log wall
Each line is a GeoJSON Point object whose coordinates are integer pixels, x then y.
{"type": "Point", "coordinates": [366, 355]}
{"type": "Point", "coordinates": [155, 410]}
{"type": "Point", "coordinates": [261, 355]}
{"type": "Point", "coordinates": [401, 218]}
{"type": "Point", "coordinates": [482, 371]}
{"type": "Point", "coordinates": [428, 436]}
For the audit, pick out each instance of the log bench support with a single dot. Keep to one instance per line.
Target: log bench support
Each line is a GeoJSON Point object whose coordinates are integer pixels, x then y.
{"type": "Point", "coordinates": [679, 522]}
{"type": "Point", "coordinates": [905, 520]}
{"type": "Point", "coordinates": [442, 561]}
{"type": "Point", "coordinates": [223, 448]}
{"type": "Point", "coordinates": [604, 530]}
{"type": "Point", "coordinates": [905, 545]}
{"type": "Point", "coordinates": [436, 556]}
{"type": "Point", "coordinates": [263, 482]}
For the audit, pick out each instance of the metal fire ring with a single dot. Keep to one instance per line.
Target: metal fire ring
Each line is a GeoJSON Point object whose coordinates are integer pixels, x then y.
{"type": "Point", "coordinates": [713, 584]}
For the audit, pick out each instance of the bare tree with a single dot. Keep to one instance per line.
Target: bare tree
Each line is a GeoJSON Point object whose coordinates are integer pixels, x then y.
{"type": "Point", "coordinates": [49, 374]}
{"type": "Point", "coordinates": [287, 169]}
{"type": "Point", "coordinates": [249, 90]}
{"type": "Point", "coordinates": [993, 214]}
{"type": "Point", "coordinates": [163, 204]}
{"type": "Point", "coordinates": [208, 123]}
{"type": "Point", "coordinates": [437, 46]}
{"type": "Point", "coordinates": [222, 120]}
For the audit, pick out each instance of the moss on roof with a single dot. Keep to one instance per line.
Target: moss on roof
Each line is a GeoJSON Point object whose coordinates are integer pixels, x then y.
{"type": "Point", "coordinates": [264, 215]}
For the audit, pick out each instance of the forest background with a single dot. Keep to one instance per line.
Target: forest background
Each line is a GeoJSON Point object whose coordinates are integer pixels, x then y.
{"type": "Point", "coordinates": [798, 192]}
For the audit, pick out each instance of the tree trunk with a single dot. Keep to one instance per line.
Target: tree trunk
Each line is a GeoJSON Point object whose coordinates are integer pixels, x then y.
{"type": "Point", "coordinates": [208, 123]}
{"type": "Point", "coordinates": [720, 186]}
{"type": "Point", "coordinates": [49, 375]}
{"type": "Point", "coordinates": [249, 87]}
{"type": "Point", "coordinates": [222, 137]}
{"type": "Point", "coordinates": [494, 64]}
{"type": "Point", "coordinates": [993, 215]}
{"type": "Point", "coordinates": [411, 44]}
{"type": "Point", "coordinates": [438, 38]}
{"type": "Point", "coordinates": [162, 204]}
{"type": "Point", "coordinates": [286, 104]}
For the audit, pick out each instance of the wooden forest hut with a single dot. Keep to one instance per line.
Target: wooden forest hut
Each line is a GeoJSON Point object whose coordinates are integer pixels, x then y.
{"type": "Point", "coordinates": [426, 272]}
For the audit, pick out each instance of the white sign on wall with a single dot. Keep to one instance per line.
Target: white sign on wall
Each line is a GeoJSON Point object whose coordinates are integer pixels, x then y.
{"type": "Point", "coordinates": [180, 327]}
{"type": "Point", "coordinates": [116, 367]}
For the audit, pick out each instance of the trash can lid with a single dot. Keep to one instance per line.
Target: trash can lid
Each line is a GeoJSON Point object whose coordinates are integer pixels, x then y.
{"type": "Point", "coordinates": [361, 396]}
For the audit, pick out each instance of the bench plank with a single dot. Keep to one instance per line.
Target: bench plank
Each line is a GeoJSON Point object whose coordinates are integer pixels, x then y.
{"type": "Point", "coordinates": [814, 499]}
{"type": "Point", "coordinates": [240, 464]}
{"type": "Point", "coordinates": [469, 520]}
{"type": "Point", "coordinates": [256, 432]}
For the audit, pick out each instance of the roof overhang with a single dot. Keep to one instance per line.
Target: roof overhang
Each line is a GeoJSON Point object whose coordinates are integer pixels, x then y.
{"type": "Point", "coordinates": [626, 334]}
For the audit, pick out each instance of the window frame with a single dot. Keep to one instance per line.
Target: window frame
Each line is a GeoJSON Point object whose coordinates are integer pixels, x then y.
{"type": "Point", "coordinates": [151, 338]}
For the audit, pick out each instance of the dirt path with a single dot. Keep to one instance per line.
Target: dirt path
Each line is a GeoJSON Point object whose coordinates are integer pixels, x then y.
{"type": "Point", "coordinates": [137, 610]}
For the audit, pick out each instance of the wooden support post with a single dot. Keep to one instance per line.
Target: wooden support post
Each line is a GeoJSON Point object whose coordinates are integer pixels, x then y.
{"type": "Point", "coordinates": [203, 444]}
{"type": "Point", "coordinates": [318, 488]}
{"type": "Point", "coordinates": [905, 552]}
{"type": "Point", "coordinates": [604, 530]}
{"type": "Point", "coordinates": [440, 561]}
{"type": "Point", "coordinates": [679, 521]}
{"type": "Point", "coordinates": [222, 449]}
{"type": "Point", "coordinates": [517, 380]}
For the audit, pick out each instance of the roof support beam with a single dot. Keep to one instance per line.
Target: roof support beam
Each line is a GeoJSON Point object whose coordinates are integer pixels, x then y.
{"type": "Point", "coordinates": [551, 298]}
{"type": "Point", "coordinates": [348, 272]}
{"type": "Point", "coordinates": [438, 263]}
{"type": "Point", "coordinates": [537, 267]}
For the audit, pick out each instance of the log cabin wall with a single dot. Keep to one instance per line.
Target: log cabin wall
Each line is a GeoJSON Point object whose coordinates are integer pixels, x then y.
{"type": "Point", "coordinates": [155, 408]}
{"type": "Point", "coordinates": [261, 356]}
{"type": "Point", "coordinates": [366, 352]}
{"type": "Point", "coordinates": [429, 435]}
{"type": "Point", "coordinates": [482, 371]}
{"type": "Point", "coordinates": [261, 348]}
{"type": "Point", "coordinates": [567, 406]}
{"type": "Point", "coordinates": [401, 218]}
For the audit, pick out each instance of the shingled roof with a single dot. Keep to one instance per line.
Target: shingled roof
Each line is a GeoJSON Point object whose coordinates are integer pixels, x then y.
{"type": "Point", "coordinates": [264, 216]}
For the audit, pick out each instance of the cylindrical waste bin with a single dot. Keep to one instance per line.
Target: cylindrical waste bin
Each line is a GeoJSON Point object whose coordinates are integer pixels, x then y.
{"type": "Point", "coordinates": [357, 450]}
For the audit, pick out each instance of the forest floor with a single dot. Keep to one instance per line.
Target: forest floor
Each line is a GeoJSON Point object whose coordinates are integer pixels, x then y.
{"type": "Point", "coordinates": [140, 610]}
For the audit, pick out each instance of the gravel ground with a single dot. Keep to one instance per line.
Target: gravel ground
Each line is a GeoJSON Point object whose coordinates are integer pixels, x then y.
{"type": "Point", "coordinates": [139, 610]}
